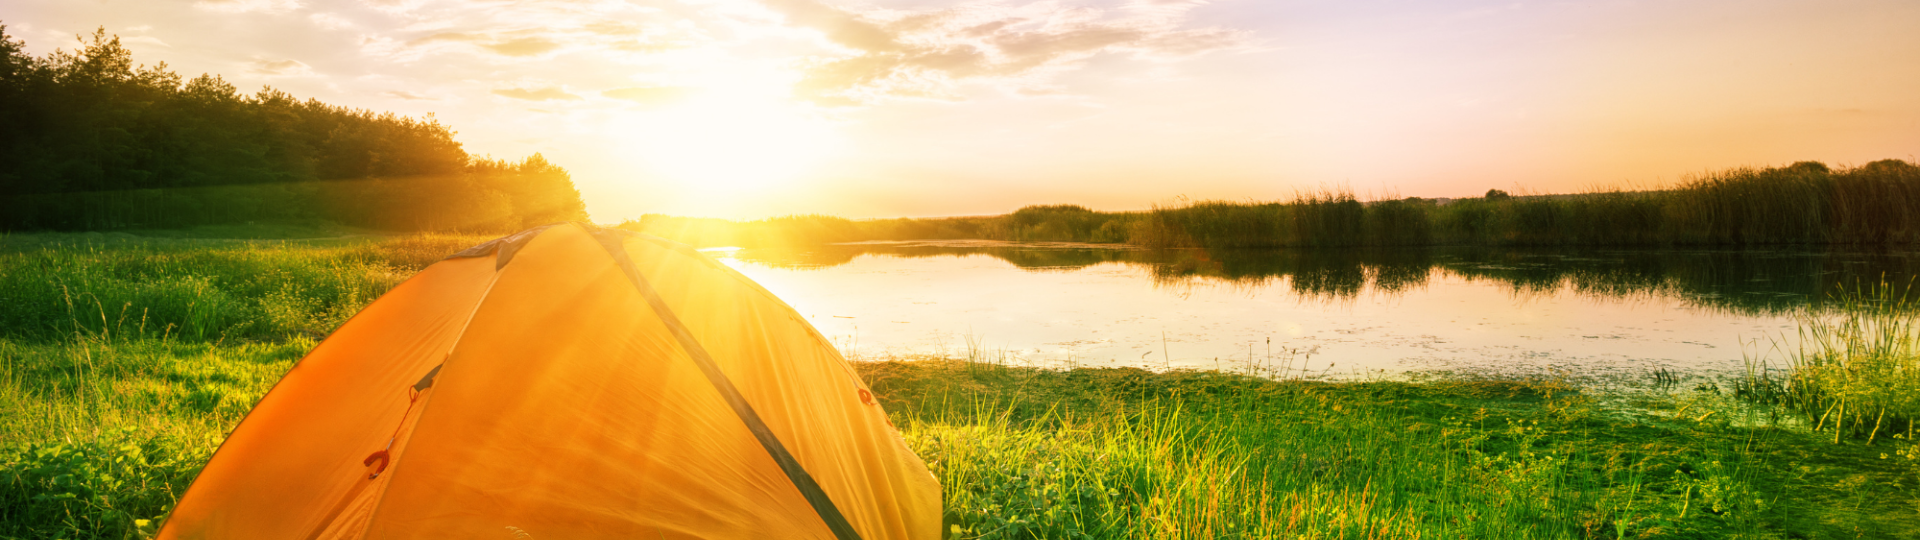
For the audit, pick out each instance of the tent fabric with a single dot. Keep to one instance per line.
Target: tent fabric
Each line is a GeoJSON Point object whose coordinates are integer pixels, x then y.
{"type": "Point", "coordinates": [567, 382]}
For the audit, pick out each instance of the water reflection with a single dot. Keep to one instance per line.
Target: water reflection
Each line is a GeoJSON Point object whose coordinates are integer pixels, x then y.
{"type": "Point", "coordinates": [1748, 282]}
{"type": "Point", "coordinates": [1599, 313]}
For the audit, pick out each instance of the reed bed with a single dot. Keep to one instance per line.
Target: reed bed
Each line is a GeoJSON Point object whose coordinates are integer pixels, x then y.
{"type": "Point", "coordinates": [1041, 223]}
{"type": "Point", "coordinates": [1856, 369]}
{"type": "Point", "coordinates": [1804, 203]}
{"type": "Point", "coordinates": [1807, 203]}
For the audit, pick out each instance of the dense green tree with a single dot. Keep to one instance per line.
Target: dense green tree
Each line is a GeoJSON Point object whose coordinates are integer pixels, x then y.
{"type": "Point", "coordinates": [89, 139]}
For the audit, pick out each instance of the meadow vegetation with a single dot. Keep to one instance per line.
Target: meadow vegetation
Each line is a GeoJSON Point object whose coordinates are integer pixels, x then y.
{"type": "Point", "coordinates": [1125, 453]}
{"type": "Point", "coordinates": [1855, 371]}
{"type": "Point", "coordinates": [125, 360]}
{"type": "Point", "coordinates": [1807, 203]}
{"type": "Point", "coordinates": [1041, 223]}
{"type": "Point", "coordinates": [1804, 203]}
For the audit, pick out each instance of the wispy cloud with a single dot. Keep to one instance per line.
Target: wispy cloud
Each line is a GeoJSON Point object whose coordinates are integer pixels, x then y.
{"type": "Point", "coordinates": [536, 94]}
{"type": "Point", "coordinates": [829, 53]}
{"type": "Point", "coordinates": [331, 21]}
{"type": "Point", "coordinates": [249, 6]}
{"type": "Point", "coordinates": [395, 6]}
{"type": "Point", "coordinates": [280, 68]}
{"type": "Point", "coordinates": [649, 95]}
{"type": "Point", "coordinates": [144, 40]}
{"type": "Point", "coordinates": [926, 53]}
{"type": "Point", "coordinates": [402, 94]}
{"type": "Point", "coordinates": [512, 43]}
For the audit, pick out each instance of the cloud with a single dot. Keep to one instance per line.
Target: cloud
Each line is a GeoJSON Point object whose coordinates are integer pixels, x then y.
{"type": "Point", "coordinates": [505, 43]}
{"type": "Point", "coordinates": [331, 21]}
{"type": "Point", "coordinates": [394, 6]}
{"type": "Point", "coordinates": [541, 94]}
{"type": "Point", "coordinates": [823, 51]}
{"type": "Point", "coordinates": [402, 94]}
{"type": "Point", "coordinates": [612, 28]}
{"type": "Point", "coordinates": [146, 40]}
{"type": "Point", "coordinates": [248, 6]}
{"type": "Point", "coordinates": [650, 95]}
{"type": "Point", "coordinates": [527, 46]}
{"type": "Point", "coordinates": [928, 53]}
{"type": "Point", "coordinates": [280, 68]}
{"type": "Point", "coordinates": [505, 31]}
{"type": "Point", "coordinates": [840, 26]}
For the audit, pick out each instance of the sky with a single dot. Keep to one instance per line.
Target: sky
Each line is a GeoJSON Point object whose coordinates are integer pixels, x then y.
{"type": "Point", "coordinates": [889, 108]}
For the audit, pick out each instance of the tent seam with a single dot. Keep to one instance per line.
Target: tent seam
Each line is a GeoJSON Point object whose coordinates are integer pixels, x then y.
{"type": "Point", "coordinates": [164, 525]}
{"type": "Point", "coordinates": [796, 473]}
{"type": "Point", "coordinates": [424, 408]}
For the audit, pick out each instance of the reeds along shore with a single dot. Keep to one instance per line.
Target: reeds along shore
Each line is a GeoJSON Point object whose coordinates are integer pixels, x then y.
{"type": "Point", "coordinates": [1047, 223]}
{"type": "Point", "coordinates": [1856, 370]}
{"type": "Point", "coordinates": [1805, 203]}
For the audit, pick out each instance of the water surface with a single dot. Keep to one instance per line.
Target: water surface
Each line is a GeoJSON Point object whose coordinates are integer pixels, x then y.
{"type": "Point", "coordinates": [1326, 313]}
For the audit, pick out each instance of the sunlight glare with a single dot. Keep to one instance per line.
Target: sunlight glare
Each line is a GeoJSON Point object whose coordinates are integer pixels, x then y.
{"type": "Point", "coordinates": [730, 143]}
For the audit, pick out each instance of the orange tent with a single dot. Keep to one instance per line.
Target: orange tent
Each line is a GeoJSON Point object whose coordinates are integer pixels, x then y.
{"type": "Point", "coordinates": [567, 382]}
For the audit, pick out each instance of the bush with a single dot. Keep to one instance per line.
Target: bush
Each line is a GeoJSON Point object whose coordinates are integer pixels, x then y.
{"type": "Point", "coordinates": [119, 485]}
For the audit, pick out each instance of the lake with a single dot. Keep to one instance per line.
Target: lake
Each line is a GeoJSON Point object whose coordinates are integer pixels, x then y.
{"type": "Point", "coordinates": [1596, 314]}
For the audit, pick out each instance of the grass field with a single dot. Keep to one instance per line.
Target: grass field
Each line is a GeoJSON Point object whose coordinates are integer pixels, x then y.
{"type": "Point", "coordinates": [1123, 453]}
{"type": "Point", "coordinates": [125, 360]}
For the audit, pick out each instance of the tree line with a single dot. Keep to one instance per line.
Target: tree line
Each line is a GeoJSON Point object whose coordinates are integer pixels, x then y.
{"type": "Point", "coordinates": [89, 140]}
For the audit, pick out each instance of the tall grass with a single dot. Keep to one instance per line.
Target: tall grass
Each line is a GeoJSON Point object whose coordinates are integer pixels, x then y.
{"type": "Point", "coordinates": [125, 361]}
{"type": "Point", "coordinates": [1804, 203]}
{"type": "Point", "coordinates": [1123, 453]}
{"type": "Point", "coordinates": [98, 436]}
{"type": "Point", "coordinates": [1043, 223]}
{"type": "Point", "coordinates": [59, 286]}
{"type": "Point", "coordinates": [1856, 368]}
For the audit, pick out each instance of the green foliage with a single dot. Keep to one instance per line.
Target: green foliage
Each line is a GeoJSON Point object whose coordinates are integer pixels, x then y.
{"type": "Point", "coordinates": [118, 485]}
{"type": "Point", "coordinates": [88, 141]}
{"type": "Point", "coordinates": [1405, 222]}
{"type": "Point", "coordinates": [124, 362]}
{"type": "Point", "coordinates": [1123, 453]}
{"type": "Point", "coordinates": [1804, 203]}
{"type": "Point", "coordinates": [1856, 370]}
{"type": "Point", "coordinates": [102, 436]}
{"type": "Point", "coordinates": [1059, 223]}
{"type": "Point", "coordinates": [199, 290]}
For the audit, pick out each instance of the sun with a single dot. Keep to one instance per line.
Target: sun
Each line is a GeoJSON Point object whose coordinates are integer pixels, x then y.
{"type": "Point", "coordinates": [730, 143]}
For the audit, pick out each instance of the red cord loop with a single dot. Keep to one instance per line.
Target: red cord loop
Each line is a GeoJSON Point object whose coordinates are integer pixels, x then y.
{"type": "Point", "coordinates": [381, 457]}
{"type": "Point", "coordinates": [413, 397]}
